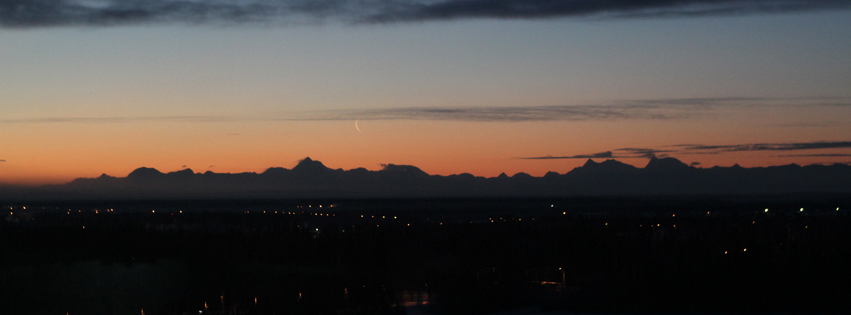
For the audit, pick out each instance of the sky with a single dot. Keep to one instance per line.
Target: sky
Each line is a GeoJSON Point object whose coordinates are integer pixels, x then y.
{"type": "Point", "coordinates": [451, 86]}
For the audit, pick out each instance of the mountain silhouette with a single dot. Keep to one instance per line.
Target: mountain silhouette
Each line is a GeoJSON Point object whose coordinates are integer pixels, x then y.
{"type": "Point", "coordinates": [607, 166]}
{"type": "Point", "coordinates": [308, 166]}
{"type": "Point", "coordinates": [144, 173]}
{"type": "Point", "coordinates": [665, 165]}
{"type": "Point", "coordinates": [312, 179]}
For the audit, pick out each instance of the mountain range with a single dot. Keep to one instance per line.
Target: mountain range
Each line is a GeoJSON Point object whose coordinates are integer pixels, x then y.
{"type": "Point", "coordinates": [312, 179]}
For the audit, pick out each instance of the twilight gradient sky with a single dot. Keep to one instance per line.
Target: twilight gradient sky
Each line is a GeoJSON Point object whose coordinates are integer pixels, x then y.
{"type": "Point", "coordinates": [458, 91]}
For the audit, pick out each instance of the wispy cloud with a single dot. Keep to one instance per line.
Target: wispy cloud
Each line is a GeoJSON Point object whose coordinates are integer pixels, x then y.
{"type": "Point", "coordinates": [644, 153]}
{"type": "Point", "coordinates": [516, 114]}
{"type": "Point", "coordinates": [105, 120]}
{"type": "Point", "coordinates": [658, 109]}
{"type": "Point", "coordinates": [479, 114]}
{"type": "Point", "coordinates": [815, 155]}
{"type": "Point", "coordinates": [44, 13]}
{"type": "Point", "coordinates": [472, 114]}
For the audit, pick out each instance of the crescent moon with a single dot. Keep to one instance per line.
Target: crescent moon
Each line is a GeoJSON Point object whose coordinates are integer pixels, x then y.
{"type": "Point", "coordinates": [356, 125]}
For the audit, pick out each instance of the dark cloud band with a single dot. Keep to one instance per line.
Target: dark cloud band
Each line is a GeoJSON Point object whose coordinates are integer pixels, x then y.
{"type": "Point", "coordinates": [816, 155]}
{"type": "Point", "coordinates": [44, 13]}
{"type": "Point", "coordinates": [713, 149]}
{"type": "Point", "coordinates": [767, 146]}
{"type": "Point", "coordinates": [607, 154]}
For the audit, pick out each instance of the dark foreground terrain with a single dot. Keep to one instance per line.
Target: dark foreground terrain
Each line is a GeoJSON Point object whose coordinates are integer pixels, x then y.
{"type": "Point", "coordinates": [675, 255]}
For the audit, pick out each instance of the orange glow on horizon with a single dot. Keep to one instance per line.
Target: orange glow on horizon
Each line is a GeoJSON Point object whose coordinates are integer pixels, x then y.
{"type": "Point", "coordinates": [69, 151]}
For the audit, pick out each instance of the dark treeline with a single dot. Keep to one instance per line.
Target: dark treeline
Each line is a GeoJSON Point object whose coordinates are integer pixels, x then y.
{"type": "Point", "coordinates": [456, 257]}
